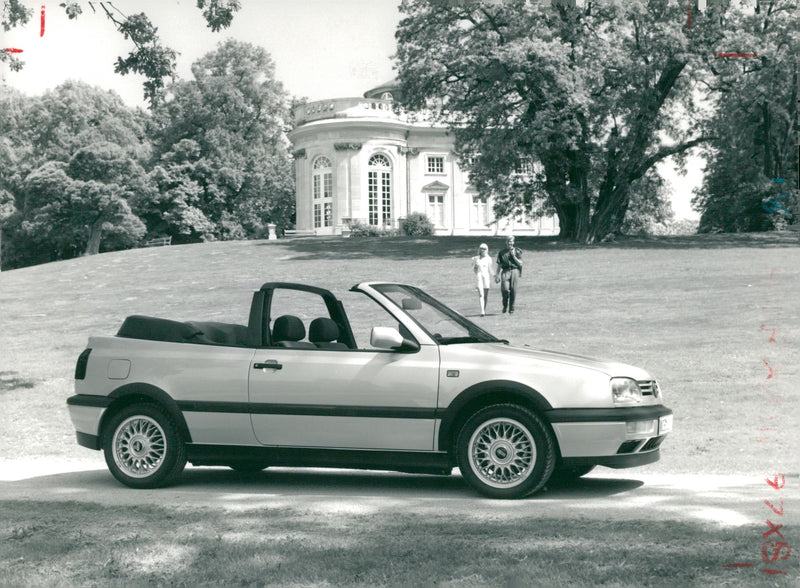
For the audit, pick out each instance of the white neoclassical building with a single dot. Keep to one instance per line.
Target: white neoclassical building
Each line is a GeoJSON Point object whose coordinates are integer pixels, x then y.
{"type": "Point", "coordinates": [363, 159]}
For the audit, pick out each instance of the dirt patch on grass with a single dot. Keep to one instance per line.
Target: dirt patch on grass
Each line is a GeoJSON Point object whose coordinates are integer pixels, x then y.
{"type": "Point", "coordinates": [10, 381]}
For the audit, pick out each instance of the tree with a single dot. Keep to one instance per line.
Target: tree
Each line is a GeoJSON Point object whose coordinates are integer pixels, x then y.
{"type": "Point", "coordinates": [221, 147]}
{"type": "Point", "coordinates": [752, 166]}
{"type": "Point", "coordinates": [14, 147]}
{"type": "Point", "coordinates": [588, 94]}
{"type": "Point", "coordinates": [71, 161]}
{"type": "Point", "coordinates": [175, 207]}
{"type": "Point", "coordinates": [149, 57]}
{"type": "Point", "coordinates": [71, 206]}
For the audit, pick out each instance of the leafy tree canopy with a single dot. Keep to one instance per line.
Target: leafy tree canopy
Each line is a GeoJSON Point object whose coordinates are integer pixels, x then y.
{"type": "Point", "coordinates": [149, 56]}
{"type": "Point", "coordinates": [221, 148]}
{"type": "Point", "coordinates": [562, 109]}
{"type": "Point", "coordinates": [751, 177]}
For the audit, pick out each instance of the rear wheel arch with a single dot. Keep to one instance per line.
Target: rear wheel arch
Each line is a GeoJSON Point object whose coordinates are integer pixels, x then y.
{"type": "Point", "coordinates": [139, 393]}
{"type": "Point", "coordinates": [479, 396]}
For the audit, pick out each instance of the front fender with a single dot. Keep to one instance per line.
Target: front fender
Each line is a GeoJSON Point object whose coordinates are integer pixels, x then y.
{"type": "Point", "coordinates": [483, 394]}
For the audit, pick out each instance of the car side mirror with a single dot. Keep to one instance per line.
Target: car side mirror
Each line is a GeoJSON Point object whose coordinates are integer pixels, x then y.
{"type": "Point", "coordinates": [389, 338]}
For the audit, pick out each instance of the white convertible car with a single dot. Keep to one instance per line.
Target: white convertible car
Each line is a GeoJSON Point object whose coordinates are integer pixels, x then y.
{"type": "Point", "coordinates": [398, 382]}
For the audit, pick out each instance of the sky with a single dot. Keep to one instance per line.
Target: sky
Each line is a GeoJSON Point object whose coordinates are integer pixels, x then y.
{"type": "Point", "coordinates": [321, 49]}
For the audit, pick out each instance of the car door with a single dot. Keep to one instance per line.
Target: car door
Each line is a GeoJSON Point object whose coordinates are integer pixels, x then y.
{"type": "Point", "coordinates": [353, 398]}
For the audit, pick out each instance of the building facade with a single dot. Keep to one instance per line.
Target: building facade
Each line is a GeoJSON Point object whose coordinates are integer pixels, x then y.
{"type": "Point", "coordinates": [362, 159]}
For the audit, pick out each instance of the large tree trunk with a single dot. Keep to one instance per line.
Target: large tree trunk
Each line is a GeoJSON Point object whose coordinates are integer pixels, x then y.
{"type": "Point", "coordinates": [629, 162]}
{"type": "Point", "coordinates": [568, 190]}
{"type": "Point", "coordinates": [93, 246]}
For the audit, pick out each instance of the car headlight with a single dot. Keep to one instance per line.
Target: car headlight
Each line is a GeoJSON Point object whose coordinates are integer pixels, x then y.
{"type": "Point", "coordinates": [625, 391]}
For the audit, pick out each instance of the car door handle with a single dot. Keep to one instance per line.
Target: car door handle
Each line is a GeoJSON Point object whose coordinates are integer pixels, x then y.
{"type": "Point", "coordinates": [270, 364]}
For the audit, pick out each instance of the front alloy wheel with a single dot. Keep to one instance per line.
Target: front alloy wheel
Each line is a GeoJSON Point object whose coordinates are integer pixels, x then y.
{"type": "Point", "coordinates": [143, 448]}
{"type": "Point", "coordinates": [505, 451]}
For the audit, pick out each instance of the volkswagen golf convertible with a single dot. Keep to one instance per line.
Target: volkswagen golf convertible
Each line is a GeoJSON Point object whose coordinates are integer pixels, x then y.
{"type": "Point", "coordinates": [386, 378]}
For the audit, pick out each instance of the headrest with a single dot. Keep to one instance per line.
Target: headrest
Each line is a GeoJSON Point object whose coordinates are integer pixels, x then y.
{"type": "Point", "coordinates": [288, 328]}
{"type": "Point", "coordinates": [323, 330]}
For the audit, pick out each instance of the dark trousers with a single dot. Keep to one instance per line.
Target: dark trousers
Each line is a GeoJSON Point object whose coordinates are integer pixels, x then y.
{"type": "Point", "coordinates": [508, 287]}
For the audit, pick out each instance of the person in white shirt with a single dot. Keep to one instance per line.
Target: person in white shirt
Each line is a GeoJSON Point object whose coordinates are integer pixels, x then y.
{"type": "Point", "coordinates": [483, 266]}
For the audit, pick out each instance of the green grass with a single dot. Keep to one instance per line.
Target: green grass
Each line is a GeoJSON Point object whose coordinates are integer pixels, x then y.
{"type": "Point", "coordinates": [78, 544]}
{"type": "Point", "coordinates": [697, 312]}
{"type": "Point", "coordinates": [690, 310]}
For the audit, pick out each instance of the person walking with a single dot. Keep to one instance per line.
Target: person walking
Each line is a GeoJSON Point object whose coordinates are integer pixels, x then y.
{"type": "Point", "coordinates": [483, 266]}
{"type": "Point", "coordinates": [509, 264]}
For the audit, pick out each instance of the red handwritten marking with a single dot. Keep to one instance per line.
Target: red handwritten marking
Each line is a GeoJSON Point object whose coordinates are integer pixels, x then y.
{"type": "Point", "coordinates": [736, 55]}
{"type": "Point", "coordinates": [689, 15]}
{"type": "Point", "coordinates": [773, 269]}
{"type": "Point", "coordinates": [773, 528]}
{"type": "Point", "coordinates": [767, 571]}
{"type": "Point", "coordinates": [772, 338]}
{"type": "Point", "coordinates": [769, 367]}
{"type": "Point", "coordinates": [737, 565]}
{"type": "Point", "coordinates": [777, 548]}
{"type": "Point", "coordinates": [772, 506]}
{"type": "Point", "coordinates": [775, 483]}
{"type": "Point", "coordinates": [12, 50]}
{"type": "Point", "coordinates": [41, 30]}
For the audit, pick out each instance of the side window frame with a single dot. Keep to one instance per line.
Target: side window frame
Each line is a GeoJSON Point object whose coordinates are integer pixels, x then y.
{"type": "Point", "coordinates": [334, 306]}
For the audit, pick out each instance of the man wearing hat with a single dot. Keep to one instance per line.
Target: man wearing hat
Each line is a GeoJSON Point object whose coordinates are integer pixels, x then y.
{"type": "Point", "coordinates": [509, 263]}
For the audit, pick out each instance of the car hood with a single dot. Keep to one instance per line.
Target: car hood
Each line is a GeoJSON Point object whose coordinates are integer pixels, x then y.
{"type": "Point", "coordinates": [610, 368]}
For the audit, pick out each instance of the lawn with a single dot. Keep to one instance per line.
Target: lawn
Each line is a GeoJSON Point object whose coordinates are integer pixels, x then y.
{"type": "Point", "coordinates": [714, 318]}
{"type": "Point", "coordinates": [152, 546]}
{"type": "Point", "coordinates": [698, 313]}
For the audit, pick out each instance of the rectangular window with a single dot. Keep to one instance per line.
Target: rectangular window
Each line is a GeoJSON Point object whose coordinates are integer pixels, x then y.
{"type": "Point", "coordinates": [328, 214]}
{"type": "Point", "coordinates": [372, 189]}
{"type": "Point", "coordinates": [386, 185]}
{"type": "Point", "coordinates": [436, 209]}
{"type": "Point", "coordinates": [379, 191]}
{"type": "Point", "coordinates": [435, 164]}
{"type": "Point", "coordinates": [328, 186]}
{"type": "Point", "coordinates": [317, 193]}
{"type": "Point", "coordinates": [317, 216]}
{"type": "Point", "coordinates": [480, 212]}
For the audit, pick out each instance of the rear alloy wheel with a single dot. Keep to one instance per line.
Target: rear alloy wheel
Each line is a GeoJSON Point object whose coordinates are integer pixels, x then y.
{"type": "Point", "coordinates": [505, 451]}
{"type": "Point", "coordinates": [143, 448]}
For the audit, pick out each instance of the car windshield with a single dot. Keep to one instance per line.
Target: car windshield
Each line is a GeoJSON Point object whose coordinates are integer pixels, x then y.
{"type": "Point", "coordinates": [442, 323]}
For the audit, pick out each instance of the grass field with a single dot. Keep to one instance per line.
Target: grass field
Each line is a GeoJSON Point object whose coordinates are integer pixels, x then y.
{"type": "Point", "coordinates": [152, 546]}
{"type": "Point", "coordinates": [697, 313]}
{"type": "Point", "coordinates": [714, 318]}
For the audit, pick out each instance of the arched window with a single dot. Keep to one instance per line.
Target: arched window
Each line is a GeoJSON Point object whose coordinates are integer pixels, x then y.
{"type": "Point", "coordinates": [379, 188]}
{"type": "Point", "coordinates": [322, 190]}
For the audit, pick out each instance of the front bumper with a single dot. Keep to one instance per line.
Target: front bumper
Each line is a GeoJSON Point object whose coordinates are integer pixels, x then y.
{"type": "Point", "coordinates": [613, 437]}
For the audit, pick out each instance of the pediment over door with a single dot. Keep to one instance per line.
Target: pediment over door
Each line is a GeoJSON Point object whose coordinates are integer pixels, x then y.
{"type": "Point", "coordinates": [436, 186]}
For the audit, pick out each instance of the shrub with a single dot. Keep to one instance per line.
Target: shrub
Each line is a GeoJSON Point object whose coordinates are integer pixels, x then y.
{"type": "Point", "coordinates": [359, 229]}
{"type": "Point", "coordinates": [417, 225]}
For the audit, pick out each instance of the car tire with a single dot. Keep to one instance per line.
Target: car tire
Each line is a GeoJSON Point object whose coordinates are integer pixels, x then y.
{"type": "Point", "coordinates": [143, 448]}
{"type": "Point", "coordinates": [505, 451]}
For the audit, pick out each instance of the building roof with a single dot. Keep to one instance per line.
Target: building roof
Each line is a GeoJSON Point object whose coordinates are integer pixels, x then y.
{"type": "Point", "coordinates": [391, 86]}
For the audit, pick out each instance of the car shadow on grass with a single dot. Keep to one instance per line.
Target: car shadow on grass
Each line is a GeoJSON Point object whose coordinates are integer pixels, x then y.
{"type": "Point", "coordinates": [217, 481]}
